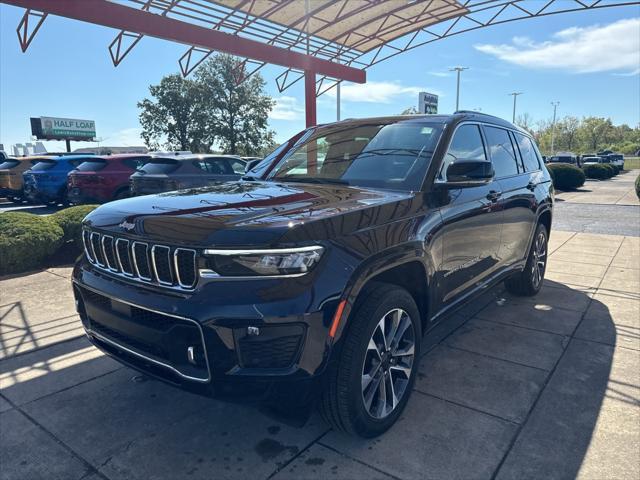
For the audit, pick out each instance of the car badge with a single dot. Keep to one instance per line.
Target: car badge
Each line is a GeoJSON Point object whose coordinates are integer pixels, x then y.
{"type": "Point", "coordinates": [127, 226]}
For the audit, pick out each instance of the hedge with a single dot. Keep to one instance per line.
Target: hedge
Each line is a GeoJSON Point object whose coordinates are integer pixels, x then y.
{"type": "Point", "coordinates": [613, 171]}
{"type": "Point", "coordinates": [597, 171]}
{"type": "Point", "coordinates": [26, 240]}
{"type": "Point", "coordinates": [70, 220]}
{"type": "Point", "coordinates": [638, 187]}
{"type": "Point", "coordinates": [566, 177]}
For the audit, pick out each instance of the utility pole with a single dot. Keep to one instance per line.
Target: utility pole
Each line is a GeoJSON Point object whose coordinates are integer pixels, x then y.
{"type": "Point", "coordinates": [553, 127]}
{"type": "Point", "coordinates": [458, 70]}
{"type": "Point", "coordinates": [515, 95]}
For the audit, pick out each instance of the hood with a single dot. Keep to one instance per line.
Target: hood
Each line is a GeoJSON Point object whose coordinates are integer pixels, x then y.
{"type": "Point", "coordinates": [244, 214]}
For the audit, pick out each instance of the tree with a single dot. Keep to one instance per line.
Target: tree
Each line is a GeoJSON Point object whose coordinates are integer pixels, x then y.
{"type": "Point", "coordinates": [525, 121]}
{"type": "Point", "coordinates": [236, 107]}
{"type": "Point", "coordinates": [174, 117]}
{"type": "Point", "coordinates": [595, 132]}
{"type": "Point", "coordinates": [569, 128]}
{"type": "Point", "coordinates": [409, 111]}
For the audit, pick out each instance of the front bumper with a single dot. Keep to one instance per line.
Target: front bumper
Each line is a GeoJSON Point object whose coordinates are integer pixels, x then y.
{"type": "Point", "coordinates": [260, 341]}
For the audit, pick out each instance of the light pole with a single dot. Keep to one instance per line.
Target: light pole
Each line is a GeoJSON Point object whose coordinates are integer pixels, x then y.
{"type": "Point", "coordinates": [458, 70]}
{"type": "Point", "coordinates": [553, 127]}
{"type": "Point", "coordinates": [515, 96]}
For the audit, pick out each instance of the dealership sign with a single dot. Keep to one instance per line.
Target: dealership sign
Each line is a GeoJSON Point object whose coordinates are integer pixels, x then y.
{"type": "Point", "coordinates": [427, 102]}
{"type": "Point", "coordinates": [52, 128]}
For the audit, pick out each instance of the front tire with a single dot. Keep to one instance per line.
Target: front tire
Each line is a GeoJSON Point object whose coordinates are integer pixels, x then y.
{"type": "Point", "coordinates": [529, 282]}
{"type": "Point", "coordinates": [368, 387]}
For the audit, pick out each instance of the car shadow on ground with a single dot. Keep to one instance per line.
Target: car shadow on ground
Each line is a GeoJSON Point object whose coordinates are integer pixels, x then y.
{"type": "Point", "coordinates": [505, 389]}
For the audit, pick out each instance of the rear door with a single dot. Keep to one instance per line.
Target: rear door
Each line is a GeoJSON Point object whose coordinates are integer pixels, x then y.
{"type": "Point", "coordinates": [472, 220]}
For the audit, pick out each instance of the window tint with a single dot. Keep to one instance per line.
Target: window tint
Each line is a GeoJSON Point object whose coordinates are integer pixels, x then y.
{"type": "Point", "coordinates": [237, 165]}
{"type": "Point", "coordinates": [9, 164]}
{"type": "Point", "coordinates": [92, 166]}
{"type": "Point", "coordinates": [529, 156]}
{"type": "Point", "coordinates": [501, 149]}
{"type": "Point", "coordinates": [466, 144]}
{"type": "Point", "coordinates": [159, 165]}
{"type": "Point", "coordinates": [43, 165]}
{"type": "Point", "coordinates": [378, 155]}
{"type": "Point", "coordinates": [135, 162]}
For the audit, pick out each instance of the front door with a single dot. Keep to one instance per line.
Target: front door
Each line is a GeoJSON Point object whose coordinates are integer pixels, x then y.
{"type": "Point", "coordinates": [472, 222]}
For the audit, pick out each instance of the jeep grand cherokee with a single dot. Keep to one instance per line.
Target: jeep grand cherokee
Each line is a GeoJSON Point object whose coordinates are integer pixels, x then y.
{"type": "Point", "coordinates": [314, 278]}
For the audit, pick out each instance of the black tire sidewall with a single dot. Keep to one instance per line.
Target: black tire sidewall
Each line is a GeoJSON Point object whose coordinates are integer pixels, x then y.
{"type": "Point", "coordinates": [529, 269]}
{"type": "Point", "coordinates": [394, 297]}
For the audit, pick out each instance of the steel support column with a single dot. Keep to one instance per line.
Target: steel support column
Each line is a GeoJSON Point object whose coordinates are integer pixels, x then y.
{"type": "Point", "coordinates": [310, 97]}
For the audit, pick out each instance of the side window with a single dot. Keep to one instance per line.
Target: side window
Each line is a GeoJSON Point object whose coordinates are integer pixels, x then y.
{"type": "Point", "coordinates": [466, 144]}
{"type": "Point", "coordinates": [529, 157]}
{"type": "Point", "coordinates": [216, 166]}
{"type": "Point", "coordinates": [135, 163]}
{"type": "Point", "coordinates": [201, 164]}
{"type": "Point", "coordinates": [237, 166]}
{"type": "Point", "coordinates": [501, 151]}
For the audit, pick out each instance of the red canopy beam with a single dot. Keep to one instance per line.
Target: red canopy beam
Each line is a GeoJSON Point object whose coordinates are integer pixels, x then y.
{"type": "Point", "coordinates": [103, 12]}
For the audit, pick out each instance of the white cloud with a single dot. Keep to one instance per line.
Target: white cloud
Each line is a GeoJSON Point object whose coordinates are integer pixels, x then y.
{"type": "Point", "coordinates": [286, 108]}
{"type": "Point", "coordinates": [599, 48]}
{"type": "Point", "coordinates": [376, 92]}
{"type": "Point", "coordinates": [440, 74]}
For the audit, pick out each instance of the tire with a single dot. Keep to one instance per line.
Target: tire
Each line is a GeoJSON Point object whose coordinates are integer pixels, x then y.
{"type": "Point", "coordinates": [343, 403]}
{"type": "Point", "coordinates": [529, 282]}
{"type": "Point", "coordinates": [16, 200]}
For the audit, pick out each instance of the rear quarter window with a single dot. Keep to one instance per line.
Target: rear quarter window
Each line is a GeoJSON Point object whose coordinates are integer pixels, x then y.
{"type": "Point", "coordinates": [92, 166]}
{"type": "Point", "coordinates": [528, 153]}
{"type": "Point", "coordinates": [160, 166]}
{"type": "Point", "coordinates": [9, 164]}
{"type": "Point", "coordinates": [42, 165]}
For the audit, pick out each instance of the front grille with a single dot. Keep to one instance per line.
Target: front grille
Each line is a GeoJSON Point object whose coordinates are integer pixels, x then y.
{"type": "Point", "coordinates": [151, 263]}
{"type": "Point", "coordinates": [160, 338]}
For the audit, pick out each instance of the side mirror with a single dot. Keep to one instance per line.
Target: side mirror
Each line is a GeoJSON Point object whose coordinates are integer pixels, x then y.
{"type": "Point", "coordinates": [469, 173]}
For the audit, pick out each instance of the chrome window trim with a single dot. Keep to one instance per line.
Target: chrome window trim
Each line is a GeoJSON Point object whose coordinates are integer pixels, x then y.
{"type": "Point", "coordinates": [130, 275]}
{"type": "Point", "coordinates": [104, 252]}
{"type": "Point", "coordinates": [145, 357]}
{"type": "Point", "coordinates": [135, 261]}
{"type": "Point", "coordinates": [93, 249]}
{"type": "Point", "coordinates": [155, 268]}
{"type": "Point", "coordinates": [177, 270]}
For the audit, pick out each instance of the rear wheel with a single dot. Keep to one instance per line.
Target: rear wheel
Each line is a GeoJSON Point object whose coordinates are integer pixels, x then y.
{"type": "Point", "coordinates": [369, 385]}
{"type": "Point", "coordinates": [529, 281]}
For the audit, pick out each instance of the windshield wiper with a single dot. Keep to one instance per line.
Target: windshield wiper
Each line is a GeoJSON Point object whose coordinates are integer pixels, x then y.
{"type": "Point", "coordinates": [335, 181]}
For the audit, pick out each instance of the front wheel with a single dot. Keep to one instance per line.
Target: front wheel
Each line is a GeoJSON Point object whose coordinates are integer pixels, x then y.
{"type": "Point", "coordinates": [529, 282]}
{"type": "Point", "coordinates": [369, 385]}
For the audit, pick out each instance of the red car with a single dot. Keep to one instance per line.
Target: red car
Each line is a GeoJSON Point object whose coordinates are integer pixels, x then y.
{"type": "Point", "coordinates": [103, 178]}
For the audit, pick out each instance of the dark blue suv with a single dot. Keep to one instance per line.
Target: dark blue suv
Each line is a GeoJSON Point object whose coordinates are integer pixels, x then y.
{"type": "Point", "coordinates": [46, 181]}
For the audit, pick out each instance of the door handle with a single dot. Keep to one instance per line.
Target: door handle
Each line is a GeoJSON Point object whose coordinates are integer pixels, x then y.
{"type": "Point", "coordinates": [532, 186]}
{"type": "Point", "coordinates": [494, 195]}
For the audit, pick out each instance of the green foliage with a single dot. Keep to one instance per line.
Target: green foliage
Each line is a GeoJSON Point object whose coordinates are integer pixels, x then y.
{"type": "Point", "coordinates": [587, 135]}
{"type": "Point", "coordinates": [565, 176]}
{"type": "Point", "coordinates": [70, 220]}
{"type": "Point", "coordinates": [236, 107]}
{"type": "Point", "coordinates": [220, 106]}
{"type": "Point", "coordinates": [175, 114]}
{"type": "Point", "coordinates": [596, 171]}
{"type": "Point", "coordinates": [26, 240]}
{"type": "Point", "coordinates": [613, 171]}
{"type": "Point", "coordinates": [638, 187]}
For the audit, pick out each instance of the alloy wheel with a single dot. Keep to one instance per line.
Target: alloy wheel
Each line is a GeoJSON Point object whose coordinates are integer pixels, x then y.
{"type": "Point", "coordinates": [539, 259]}
{"type": "Point", "coordinates": [388, 363]}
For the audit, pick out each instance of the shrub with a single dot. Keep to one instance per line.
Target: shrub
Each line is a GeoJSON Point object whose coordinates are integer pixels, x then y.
{"type": "Point", "coordinates": [26, 240]}
{"type": "Point", "coordinates": [638, 187]}
{"type": "Point", "coordinates": [70, 220]}
{"type": "Point", "coordinates": [613, 171]}
{"type": "Point", "coordinates": [566, 177]}
{"type": "Point", "coordinates": [598, 171]}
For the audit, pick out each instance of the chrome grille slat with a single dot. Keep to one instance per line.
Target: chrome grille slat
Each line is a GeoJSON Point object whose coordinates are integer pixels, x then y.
{"type": "Point", "coordinates": [161, 265]}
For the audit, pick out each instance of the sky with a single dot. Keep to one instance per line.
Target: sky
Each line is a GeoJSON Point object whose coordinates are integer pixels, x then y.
{"type": "Point", "coordinates": [588, 61]}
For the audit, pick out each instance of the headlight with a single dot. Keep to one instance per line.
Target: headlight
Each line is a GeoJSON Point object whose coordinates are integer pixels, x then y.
{"type": "Point", "coordinates": [261, 263]}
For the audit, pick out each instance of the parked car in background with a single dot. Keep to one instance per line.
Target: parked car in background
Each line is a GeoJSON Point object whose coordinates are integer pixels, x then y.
{"type": "Point", "coordinates": [315, 279]}
{"type": "Point", "coordinates": [11, 180]}
{"type": "Point", "coordinates": [46, 181]}
{"type": "Point", "coordinates": [167, 173]}
{"type": "Point", "coordinates": [103, 178]}
{"type": "Point", "coordinates": [591, 160]}
{"type": "Point", "coordinates": [616, 159]}
{"type": "Point", "coordinates": [251, 162]}
{"type": "Point", "coordinates": [565, 158]}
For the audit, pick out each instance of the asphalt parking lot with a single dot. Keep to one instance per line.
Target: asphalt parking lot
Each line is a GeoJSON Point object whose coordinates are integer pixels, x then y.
{"type": "Point", "coordinates": [508, 388]}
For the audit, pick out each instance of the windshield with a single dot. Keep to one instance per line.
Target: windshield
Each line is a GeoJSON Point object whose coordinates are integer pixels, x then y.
{"type": "Point", "coordinates": [92, 165]}
{"type": "Point", "coordinates": [378, 155]}
{"type": "Point", "coordinates": [9, 164]}
{"type": "Point", "coordinates": [159, 165]}
{"type": "Point", "coordinates": [43, 165]}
